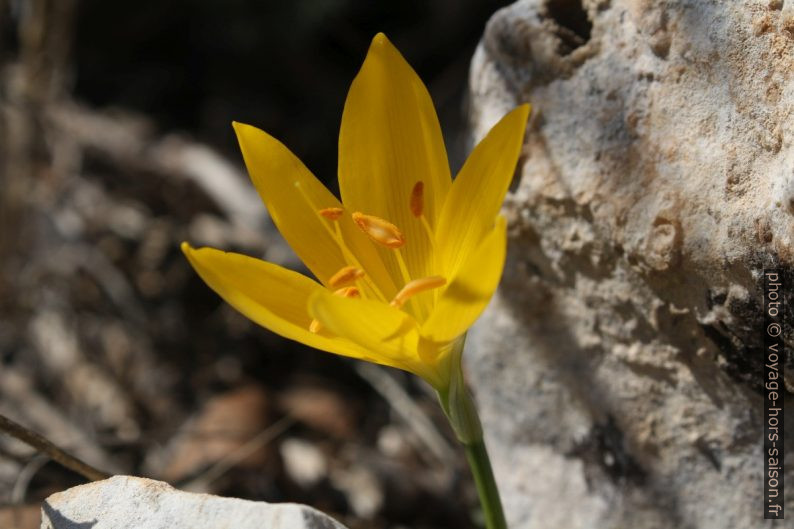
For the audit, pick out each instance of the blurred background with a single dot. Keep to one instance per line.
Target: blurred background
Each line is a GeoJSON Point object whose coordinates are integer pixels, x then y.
{"type": "Point", "coordinates": [116, 145]}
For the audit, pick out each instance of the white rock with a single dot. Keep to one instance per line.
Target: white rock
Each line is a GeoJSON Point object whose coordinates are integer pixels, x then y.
{"type": "Point", "coordinates": [304, 462]}
{"type": "Point", "coordinates": [618, 369]}
{"type": "Point", "coordinates": [125, 502]}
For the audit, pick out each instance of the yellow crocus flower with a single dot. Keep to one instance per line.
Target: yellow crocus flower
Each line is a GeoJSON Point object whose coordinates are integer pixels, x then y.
{"type": "Point", "coordinates": [408, 259]}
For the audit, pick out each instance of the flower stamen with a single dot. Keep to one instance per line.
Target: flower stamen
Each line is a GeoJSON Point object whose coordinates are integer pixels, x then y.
{"type": "Point", "coordinates": [403, 267]}
{"type": "Point", "coordinates": [417, 205]}
{"type": "Point", "coordinates": [407, 281]}
{"type": "Point", "coordinates": [350, 257]}
{"type": "Point", "coordinates": [345, 276]}
{"type": "Point", "coordinates": [379, 230]}
{"type": "Point", "coordinates": [331, 213]}
{"type": "Point", "coordinates": [347, 292]}
{"type": "Point", "coordinates": [334, 214]}
{"type": "Point", "coordinates": [417, 286]}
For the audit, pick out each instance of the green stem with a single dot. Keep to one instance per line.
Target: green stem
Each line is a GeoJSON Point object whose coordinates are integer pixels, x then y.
{"type": "Point", "coordinates": [462, 414]}
{"type": "Point", "coordinates": [480, 464]}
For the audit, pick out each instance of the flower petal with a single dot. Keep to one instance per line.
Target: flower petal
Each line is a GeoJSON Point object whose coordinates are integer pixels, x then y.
{"type": "Point", "coordinates": [267, 294]}
{"type": "Point", "coordinates": [390, 138]}
{"type": "Point", "coordinates": [470, 290]}
{"type": "Point", "coordinates": [479, 189]}
{"type": "Point", "coordinates": [294, 197]}
{"type": "Point", "coordinates": [389, 334]}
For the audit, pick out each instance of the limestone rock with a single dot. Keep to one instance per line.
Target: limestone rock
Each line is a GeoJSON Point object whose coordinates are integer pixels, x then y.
{"type": "Point", "coordinates": [124, 502]}
{"type": "Point", "coordinates": [618, 369]}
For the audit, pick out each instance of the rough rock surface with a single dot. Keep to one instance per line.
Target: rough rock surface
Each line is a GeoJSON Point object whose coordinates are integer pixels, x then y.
{"type": "Point", "coordinates": [619, 368]}
{"type": "Point", "coordinates": [124, 502]}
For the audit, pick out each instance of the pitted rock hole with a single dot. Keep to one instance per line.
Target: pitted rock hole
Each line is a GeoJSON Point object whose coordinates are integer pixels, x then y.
{"type": "Point", "coordinates": [573, 25]}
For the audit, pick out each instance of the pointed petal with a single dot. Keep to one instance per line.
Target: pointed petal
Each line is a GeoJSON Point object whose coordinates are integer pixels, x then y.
{"type": "Point", "coordinates": [294, 197]}
{"type": "Point", "coordinates": [470, 290]}
{"type": "Point", "coordinates": [389, 334]}
{"type": "Point", "coordinates": [267, 294]}
{"type": "Point", "coordinates": [390, 138]}
{"type": "Point", "coordinates": [479, 189]}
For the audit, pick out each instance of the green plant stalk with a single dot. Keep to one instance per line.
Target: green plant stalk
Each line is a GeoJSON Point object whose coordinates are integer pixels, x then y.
{"type": "Point", "coordinates": [480, 465]}
{"type": "Point", "coordinates": [462, 414]}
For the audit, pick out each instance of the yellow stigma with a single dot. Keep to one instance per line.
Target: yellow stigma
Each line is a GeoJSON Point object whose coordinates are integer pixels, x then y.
{"type": "Point", "coordinates": [418, 199]}
{"type": "Point", "coordinates": [345, 276]}
{"type": "Point", "coordinates": [379, 230]}
{"type": "Point", "coordinates": [331, 213]}
{"type": "Point", "coordinates": [417, 286]}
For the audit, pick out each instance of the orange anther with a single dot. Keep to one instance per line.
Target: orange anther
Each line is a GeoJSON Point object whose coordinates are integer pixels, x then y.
{"type": "Point", "coordinates": [417, 286]}
{"type": "Point", "coordinates": [418, 199]}
{"type": "Point", "coordinates": [348, 292]}
{"type": "Point", "coordinates": [345, 276]}
{"type": "Point", "coordinates": [331, 213]}
{"type": "Point", "coordinates": [379, 230]}
{"type": "Point", "coordinates": [315, 326]}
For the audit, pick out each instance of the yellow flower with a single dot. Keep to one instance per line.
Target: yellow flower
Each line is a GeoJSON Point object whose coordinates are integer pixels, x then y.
{"type": "Point", "coordinates": [408, 260]}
